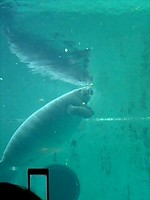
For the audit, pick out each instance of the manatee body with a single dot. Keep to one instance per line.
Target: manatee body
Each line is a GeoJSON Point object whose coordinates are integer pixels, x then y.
{"type": "Point", "coordinates": [56, 57]}
{"type": "Point", "coordinates": [47, 128]}
{"type": "Point", "coordinates": [51, 58]}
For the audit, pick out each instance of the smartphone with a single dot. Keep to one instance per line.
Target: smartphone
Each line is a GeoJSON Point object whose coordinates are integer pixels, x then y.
{"type": "Point", "coordinates": [38, 182]}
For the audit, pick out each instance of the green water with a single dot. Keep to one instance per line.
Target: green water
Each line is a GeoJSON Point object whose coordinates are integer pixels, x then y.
{"type": "Point", "coordinates": [111, 152]}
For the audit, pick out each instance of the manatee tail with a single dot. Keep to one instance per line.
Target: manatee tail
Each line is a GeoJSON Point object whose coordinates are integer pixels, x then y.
{"type": "Point", "coordinates": [7, 174]}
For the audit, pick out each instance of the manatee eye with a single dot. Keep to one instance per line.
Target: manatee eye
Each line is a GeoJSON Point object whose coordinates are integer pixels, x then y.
{"type": "Point", "coordinates": [80, 90]}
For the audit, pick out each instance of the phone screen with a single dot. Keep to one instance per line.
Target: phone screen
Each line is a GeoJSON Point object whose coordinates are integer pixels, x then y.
{"type": "Point", "coordinates": [38, 182]}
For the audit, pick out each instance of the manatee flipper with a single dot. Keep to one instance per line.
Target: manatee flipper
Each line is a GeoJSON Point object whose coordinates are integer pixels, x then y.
{"type": "Point", "coordinates": [85, 112]}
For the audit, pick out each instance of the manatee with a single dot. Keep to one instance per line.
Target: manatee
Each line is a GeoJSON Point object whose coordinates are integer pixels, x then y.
{"type": "Point", "coordinates": [51, 58]}
{"type": "Point", "coordinates": [55, 57]}
{"type": "Point", "coordinates": [47, 129]}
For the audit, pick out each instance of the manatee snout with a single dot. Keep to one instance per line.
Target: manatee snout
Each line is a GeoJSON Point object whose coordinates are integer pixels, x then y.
{"type": "Point", "coordinates": [90, 91]}
{"type": "Point", "coordinates": [88, 94]}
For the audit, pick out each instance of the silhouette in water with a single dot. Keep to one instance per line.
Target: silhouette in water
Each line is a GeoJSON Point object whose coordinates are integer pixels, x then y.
{"type": "Point", "coordinates": [56, 58]}
{"type": "Point", "coordinates": [16, 192]}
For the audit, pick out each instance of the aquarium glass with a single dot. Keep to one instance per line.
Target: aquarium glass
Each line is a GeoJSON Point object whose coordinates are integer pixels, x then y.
{"type": "Point", "coordinates": [97, 55]}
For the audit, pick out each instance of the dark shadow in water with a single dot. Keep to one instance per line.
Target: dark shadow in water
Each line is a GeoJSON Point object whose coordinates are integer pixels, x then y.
{"type": "Point", "coordinates": [55, 58]}
{"type": "Point", "coordinates": [64, 180]}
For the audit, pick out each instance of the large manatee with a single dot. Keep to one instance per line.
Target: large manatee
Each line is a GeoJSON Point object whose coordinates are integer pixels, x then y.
{"type": "Point", "coordinates": [47, 129]}
{"type": "Point", "coordinates": [52, 58]}
{"type": "Point", "coordinates": [56, 57]}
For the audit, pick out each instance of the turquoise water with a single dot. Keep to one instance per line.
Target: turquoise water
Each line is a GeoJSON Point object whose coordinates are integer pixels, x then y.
{"type": "Point", "coordinates": [110, 152]}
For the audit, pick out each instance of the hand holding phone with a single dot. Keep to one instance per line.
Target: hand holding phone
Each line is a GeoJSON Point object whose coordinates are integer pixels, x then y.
{"type": "Point", "coordinates": [38, 182]}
